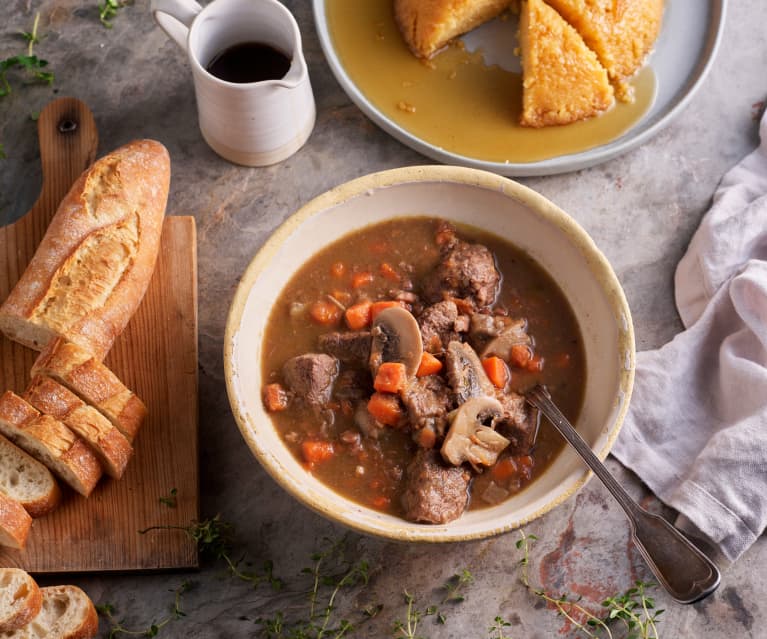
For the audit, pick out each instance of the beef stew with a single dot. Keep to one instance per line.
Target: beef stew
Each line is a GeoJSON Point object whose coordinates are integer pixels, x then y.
{"type": "Point", "coordinates": [394, 360]}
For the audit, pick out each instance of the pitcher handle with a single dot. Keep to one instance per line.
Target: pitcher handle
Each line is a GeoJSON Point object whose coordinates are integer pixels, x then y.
{"type": "Point", "coordinates": [175, 17]}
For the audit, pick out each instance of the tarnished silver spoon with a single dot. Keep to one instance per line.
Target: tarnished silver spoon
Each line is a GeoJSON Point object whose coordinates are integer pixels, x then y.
{"type": "Point", "coordinates": [683, 570]}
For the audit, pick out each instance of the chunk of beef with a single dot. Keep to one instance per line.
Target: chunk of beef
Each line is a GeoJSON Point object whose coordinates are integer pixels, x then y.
{"type": "Point", "coordinates": [465, 271]}
{"type": "Point", "coordinates": [428, 402]}
{"type": "Point", "coordinates": [465, 374]}
{"type": "Point", "coordinates": [311, 377]}
{"type": "Point", "coordinates": [519, 422]}
{"type": "Point", "coordinates": [353, 384]}
{"type": "Point", "coordinates": [434, 493]}
{"type": "Point", "coordinates": [437, 324]}
{"type": "Point", "coordinates": [352, 346]}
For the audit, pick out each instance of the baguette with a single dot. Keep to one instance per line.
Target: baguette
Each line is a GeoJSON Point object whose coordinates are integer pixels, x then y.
{"type": "Point", "coordinates": [14, 523]}
{"type": "Point", "coordinates": [20, 599]}
{"type": "Point", "coordinates": [94, 383]}
{"type": "Point", "coordinates": [26, 480]}
{"type": "Point", "coordinates": [109, 444]}
{"type": "Point", "coordinates": [66, 613]}
{"type": "Point", "coordinates": [50, 442]}
{"type": "Point", "coordinates": [95, 261]}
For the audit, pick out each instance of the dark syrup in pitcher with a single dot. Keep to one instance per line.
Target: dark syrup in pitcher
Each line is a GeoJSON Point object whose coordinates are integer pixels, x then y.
{"type": "Point", "coordinates": [249, 62]}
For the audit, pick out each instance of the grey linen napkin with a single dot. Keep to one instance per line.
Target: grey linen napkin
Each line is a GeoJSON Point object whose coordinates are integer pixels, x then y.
{"type": "Point", "coordinates": [696, 430]}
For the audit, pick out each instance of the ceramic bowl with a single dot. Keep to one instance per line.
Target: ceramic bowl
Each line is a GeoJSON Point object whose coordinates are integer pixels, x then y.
{"type": "Point", "coordinates": [468, 196]}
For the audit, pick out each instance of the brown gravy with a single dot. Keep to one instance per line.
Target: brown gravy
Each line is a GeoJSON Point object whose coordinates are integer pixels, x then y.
{"type": "Point", "coordinates": [455, 101]}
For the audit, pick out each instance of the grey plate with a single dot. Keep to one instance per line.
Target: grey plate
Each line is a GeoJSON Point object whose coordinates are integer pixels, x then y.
{"type": "Point", "coordinates": [683, 55]}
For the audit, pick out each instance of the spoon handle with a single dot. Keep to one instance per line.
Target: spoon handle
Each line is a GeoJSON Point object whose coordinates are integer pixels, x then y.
{"type": "Point", "coordinates": [683, 570]}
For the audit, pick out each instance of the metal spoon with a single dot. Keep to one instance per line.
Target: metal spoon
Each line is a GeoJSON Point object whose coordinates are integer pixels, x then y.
{"type": "Point", "coordinates": [683, 570]}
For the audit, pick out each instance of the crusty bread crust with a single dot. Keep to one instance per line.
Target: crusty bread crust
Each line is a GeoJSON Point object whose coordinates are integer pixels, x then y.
{"type": "Point", "coordinates": [14, 523]}
{"type": "Point", "coordinates": [66, 613]}
{"type": "Point", "coordinates": [35, 488]}
{"type": "Point", "coordinates": [49, 441]}
{"type": "Point", "coordinates": [94, 264]}
{"type": "Point", "coordinates": [109, 444]}
{"type": "Point", "coordinates": [94, 383]}
{"type": "Point", "coordinates": [20, 599]}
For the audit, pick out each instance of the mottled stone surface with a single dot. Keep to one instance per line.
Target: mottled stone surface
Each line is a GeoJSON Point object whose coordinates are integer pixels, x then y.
{"type": "Point", "coordinates": [641, 209]}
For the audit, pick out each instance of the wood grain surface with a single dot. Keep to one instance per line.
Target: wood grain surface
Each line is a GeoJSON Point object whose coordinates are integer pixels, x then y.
{"type": "Point", "coordinates": [156, 357]}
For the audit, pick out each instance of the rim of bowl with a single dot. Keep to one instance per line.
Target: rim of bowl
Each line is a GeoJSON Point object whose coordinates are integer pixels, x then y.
{"type": "Point", "coordinates": [598, 263]}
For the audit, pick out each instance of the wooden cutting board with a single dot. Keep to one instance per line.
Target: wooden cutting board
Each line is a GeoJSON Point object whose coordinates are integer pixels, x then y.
{"type": "Point", "coordinates": [156, 357]}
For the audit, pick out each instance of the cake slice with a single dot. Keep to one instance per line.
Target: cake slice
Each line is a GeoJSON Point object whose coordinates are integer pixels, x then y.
{"type": "Point", "coordinates": [108, 443]}
{"type": "Point", "coordinates": [50, 442]}
{"type": "Point", "coordinates": [428, 25]}
{"type": "Point", "coordinates": [562, 79]}
{"type": "Point", "coordinates": [26, 480]}
{"type": "Point", "coordinates": [620, 32]}
{"type": "Point", "coordinates": [89, 379]}
{"type": "Point", "coordinates": [20, 599]}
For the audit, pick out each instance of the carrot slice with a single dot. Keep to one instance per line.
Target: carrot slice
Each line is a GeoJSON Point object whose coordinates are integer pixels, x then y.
{"type": "Point", "coordinates": [377, 307]}
{"type": "Point", "coordinates": [380, 502]}
{"type": "Point", "coordinates": [275, 397]}
{"type": "Point", "coordinates": [429, 365]}
{"type": "Point", "coordinates": [361, 278]}
{"type": "Point", "coordinates": [497, 371]}
{"type": "Point", "coordinates": [325, 313]}
{"type": "Point", "coordinates": [520, 355]}
{"type": "Point", "coordinates": [535, 365]}
{"type": "Point", "coordinates": [387, 270]}
{"type": "Point", "coordinates": [391, 377]}
{"type": "Point", "coordinates": [358, 315]}
{"type": "Point", "coordinates": [385, 408]}
{"type": "Point", "coordinates": [314, 451]}
{"type": "Point", "coordinates": [504, 469]}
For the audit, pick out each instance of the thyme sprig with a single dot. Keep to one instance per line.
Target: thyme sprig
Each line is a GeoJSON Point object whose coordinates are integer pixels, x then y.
{"type": "Point", "coordinates": [29, 62]}
{"type": "Point", "coordinates": [633, 608]}
{"type": "Point", "coordinates": [117, 628]}
{"type": "Point", "coordinates": [108, 10]}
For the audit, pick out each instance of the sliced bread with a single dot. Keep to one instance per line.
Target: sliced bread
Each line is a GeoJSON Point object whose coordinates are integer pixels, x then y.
{"type": "Point", "coordinates": [26, 480]}
{"type": "Point", "coordinates": [94, 383]}
{"type": "Point", "coordinates": [108, 443]}
{"type": "Point", "coordinates": [66, 613]}
{"type": "Point", "coordinates": [49, 441]}
{"type": "Point", "coordinates": [14, 523]}
{"type": "Point", "coordinates": [20, 599]}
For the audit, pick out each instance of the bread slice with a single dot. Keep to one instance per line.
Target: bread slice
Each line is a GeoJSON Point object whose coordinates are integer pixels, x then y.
{"type": "Point", "coordinates": [109, 444]}
{"type": "Point", "coordinates": [562, 79]}
{"type": "Point", "coordinates": [26, 480]}
{"type": "Point", "coordinates": [95, 261]}
{"type": "Point", "coordinates": [94, 383]}
{"type": "Point", "coordinates": [428, 25]}
{"type": "Point", "coordinates": [66, 613]}
{"type": "Point", "coordinates": [620, 32]}
{"type": "Point", "coordinates": [20, 599]}
{"type": "Point", "coordinates": [14, 523]}
{"type": "Point", "coordinates": [50, 442]}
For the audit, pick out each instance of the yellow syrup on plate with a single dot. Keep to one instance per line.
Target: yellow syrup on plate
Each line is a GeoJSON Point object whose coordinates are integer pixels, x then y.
{"type": "Point", "coordinates": [457, 102]}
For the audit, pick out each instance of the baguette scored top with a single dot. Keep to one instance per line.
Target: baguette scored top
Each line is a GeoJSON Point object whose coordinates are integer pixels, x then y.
{"type": "Point", "coordinates": [95, 261]}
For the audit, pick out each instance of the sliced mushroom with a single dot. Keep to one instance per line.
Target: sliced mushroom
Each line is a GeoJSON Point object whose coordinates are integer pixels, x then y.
{"type": "Point", "coordinates": [468, 439]}
{"type": "Point", "coordinates": [465, 374]}
{"type": "Point", "coordinates": [396, 338]}
{"type": "Point", "coordinates": [514, 334]}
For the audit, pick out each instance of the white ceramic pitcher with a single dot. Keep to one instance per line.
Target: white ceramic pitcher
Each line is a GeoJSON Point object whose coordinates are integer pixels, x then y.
{"type": "Point", "coordinates": [256, 123]}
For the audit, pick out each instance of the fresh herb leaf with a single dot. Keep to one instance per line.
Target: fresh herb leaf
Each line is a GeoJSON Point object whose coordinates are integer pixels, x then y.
{"type": "Point", "coordinates": [117, 628]}
{"type": "Point", "coordinates": [455, 585]}
{"type": "Point", "coordinates": [170, 501]}
{"type": "Point", "coordinates": [108, 10]}
{"type": "Point", "coordinates": [497, 629]}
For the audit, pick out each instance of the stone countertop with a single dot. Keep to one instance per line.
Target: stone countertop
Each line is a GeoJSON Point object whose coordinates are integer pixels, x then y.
{"type": "Point", "coordinates": [641, 209]}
